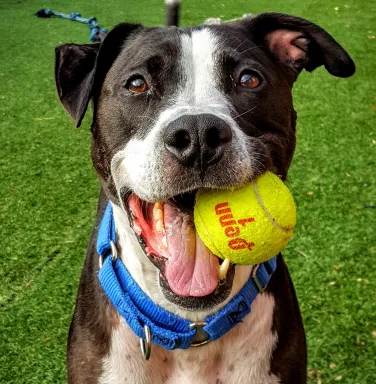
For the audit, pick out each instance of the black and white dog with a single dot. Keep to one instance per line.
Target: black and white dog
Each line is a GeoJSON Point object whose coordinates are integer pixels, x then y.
{"type": "Point", "coordinates": [174, 110]}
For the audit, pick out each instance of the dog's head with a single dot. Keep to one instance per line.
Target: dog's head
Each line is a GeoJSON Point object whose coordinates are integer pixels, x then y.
{"type": "Point", "coordinates": [180, 109]}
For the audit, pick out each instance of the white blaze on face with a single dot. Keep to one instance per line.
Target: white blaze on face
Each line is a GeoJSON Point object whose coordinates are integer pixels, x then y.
{"type": "Point", "coordinates": [200, 77]}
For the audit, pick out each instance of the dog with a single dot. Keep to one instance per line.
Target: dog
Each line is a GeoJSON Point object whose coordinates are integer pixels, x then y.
{"type": "Point", "coordinates": [175, 110]}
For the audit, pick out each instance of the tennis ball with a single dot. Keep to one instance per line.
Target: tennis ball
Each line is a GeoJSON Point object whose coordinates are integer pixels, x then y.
{"type": "Point", "coordinates": [247, 225]}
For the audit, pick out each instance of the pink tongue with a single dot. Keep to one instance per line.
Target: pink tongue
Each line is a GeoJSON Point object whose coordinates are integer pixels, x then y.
{"type": "Point", "coordinates": [192, 269]}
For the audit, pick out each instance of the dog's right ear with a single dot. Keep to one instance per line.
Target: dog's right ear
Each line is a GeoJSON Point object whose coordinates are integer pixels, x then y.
{"type": "Point", "coordinates": [81, 68]}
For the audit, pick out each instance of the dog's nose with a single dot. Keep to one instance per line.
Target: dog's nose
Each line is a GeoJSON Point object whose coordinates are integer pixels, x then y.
{"type": "Point", "coordinates": [197, 140]}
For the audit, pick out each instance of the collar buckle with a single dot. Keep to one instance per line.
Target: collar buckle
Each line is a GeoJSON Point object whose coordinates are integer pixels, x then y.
{"type": "Point", "coordinates": [256, 280]}
{"type": "Point", "coordinates": [198, 326]}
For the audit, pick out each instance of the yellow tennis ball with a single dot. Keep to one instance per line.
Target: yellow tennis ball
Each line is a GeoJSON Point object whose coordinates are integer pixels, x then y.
{"type": "Point", "coordinates": [247, 225]}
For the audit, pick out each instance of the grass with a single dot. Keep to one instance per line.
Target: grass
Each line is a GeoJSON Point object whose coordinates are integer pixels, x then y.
{"type": "Point", "coordinates": [48, 189]}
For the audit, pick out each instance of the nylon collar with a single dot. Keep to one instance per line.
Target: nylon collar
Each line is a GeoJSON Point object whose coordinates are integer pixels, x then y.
{"type": "Point", "coordinates": [166, 329]}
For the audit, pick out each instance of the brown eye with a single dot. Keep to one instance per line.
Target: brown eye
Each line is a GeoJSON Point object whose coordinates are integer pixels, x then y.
{"type": "Point", "coordinates": [137, 85]}
{"type": "Point", "coordinates": [249, 80]}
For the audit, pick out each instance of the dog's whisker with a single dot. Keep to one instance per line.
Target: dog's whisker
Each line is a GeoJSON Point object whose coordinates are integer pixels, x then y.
{"type": "Point", "coordinates": [147, 117]}
{"type": "Point", "coordinates": [246, 50]}
{"type": "Point", "coordinates": [260, 164]}
{"type": "Point", "coordinates": [249, 110]}
{"type": "Point", "coordinates": [247, 39]}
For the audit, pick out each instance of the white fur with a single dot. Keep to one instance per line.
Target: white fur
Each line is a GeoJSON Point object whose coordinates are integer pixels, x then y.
{"type": "Point", "coordinates": [199, 85]}
{"type": "Point", "coordinates": [141, 165]}
{"type": "Point", "coordinates": [241, 356]}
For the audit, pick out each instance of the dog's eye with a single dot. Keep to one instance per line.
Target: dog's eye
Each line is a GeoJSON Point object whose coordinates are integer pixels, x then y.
{"type": "Point", "coordinates": [137, 84]}
{"type": "Point", "coordinates": [249, 80]}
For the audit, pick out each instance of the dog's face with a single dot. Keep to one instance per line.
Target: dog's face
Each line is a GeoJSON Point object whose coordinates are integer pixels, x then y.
{"type": "Point", "coordinates": [180, 109]}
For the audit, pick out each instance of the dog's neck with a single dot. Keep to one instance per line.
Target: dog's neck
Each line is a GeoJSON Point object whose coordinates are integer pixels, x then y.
{"type": "Point", "coordinates": [146, 275]}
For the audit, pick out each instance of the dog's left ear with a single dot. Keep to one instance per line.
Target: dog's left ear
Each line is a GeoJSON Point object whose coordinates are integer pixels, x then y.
{"type": "Point", "coordinates": [74, 76]}
{"type": "Point", "coordinates": [80, 69]}
{"type": "Point", "coordinates": [299, 43]}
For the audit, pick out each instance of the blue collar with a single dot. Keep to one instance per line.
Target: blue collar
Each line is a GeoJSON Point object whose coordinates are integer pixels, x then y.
{"type": "Point", "coordinates": [166, 329]}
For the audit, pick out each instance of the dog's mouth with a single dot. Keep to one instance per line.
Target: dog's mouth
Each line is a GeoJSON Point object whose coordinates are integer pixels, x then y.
{"type": "Point", "coordinates": [167, 234]}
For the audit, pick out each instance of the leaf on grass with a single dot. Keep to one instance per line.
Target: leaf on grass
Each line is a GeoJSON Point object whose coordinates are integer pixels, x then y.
{"type": "Point", "coordinates": [301, 252]}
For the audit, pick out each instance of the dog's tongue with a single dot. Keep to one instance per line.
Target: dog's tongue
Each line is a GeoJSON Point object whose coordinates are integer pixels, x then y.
{"type": "Point", "coordinates": [192, 269]}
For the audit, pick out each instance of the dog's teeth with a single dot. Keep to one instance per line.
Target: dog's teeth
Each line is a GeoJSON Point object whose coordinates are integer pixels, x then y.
{"type": "Point", "coordinates": [158, 215]}
{"type": "Point", "coordinates": [164, 241]}
{"type": "Point", "coordinates": [223, 268]}
{"type": "Point", "coordinates": [157, 205]}
{"type": "Point", "coordinates": [159, 226]}
{"type": "Point", "coordinates": [158, 211]}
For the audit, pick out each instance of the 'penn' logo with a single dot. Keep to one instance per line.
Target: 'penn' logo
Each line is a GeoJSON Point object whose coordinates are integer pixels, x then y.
{"type": "Point", "coordinates": [232, 227]}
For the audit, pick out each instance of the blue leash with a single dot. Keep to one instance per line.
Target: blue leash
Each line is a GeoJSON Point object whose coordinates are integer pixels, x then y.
{"type": "Point", "coordinates": [141, 313]}
{"type": "Point", "coordinates": [97, 33]}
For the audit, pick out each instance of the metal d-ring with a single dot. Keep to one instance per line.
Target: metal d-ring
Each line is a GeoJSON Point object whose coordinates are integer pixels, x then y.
{"type": "Point", "coordinates": [113, 252]}
{"type": "Point", "coordinates": [199, 324]}
{"type": "Point", "coordinates": [146, 344]}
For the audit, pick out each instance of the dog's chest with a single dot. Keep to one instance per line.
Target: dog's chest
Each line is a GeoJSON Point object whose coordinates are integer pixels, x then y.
{"type": "Point", "coordinates": [241, 356]}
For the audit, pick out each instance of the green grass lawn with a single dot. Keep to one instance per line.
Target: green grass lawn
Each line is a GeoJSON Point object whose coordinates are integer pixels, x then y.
{"type": "Point", "coordinates": [48, 189]}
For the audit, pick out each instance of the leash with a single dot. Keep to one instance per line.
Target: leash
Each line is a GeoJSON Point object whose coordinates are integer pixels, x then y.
{"type": "Point", "coordinates": [152, 323]}
{"type": "Point", "coordinates": [97, 34]}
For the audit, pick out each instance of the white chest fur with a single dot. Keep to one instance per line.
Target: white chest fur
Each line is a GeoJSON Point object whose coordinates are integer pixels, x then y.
{"type": "Point", "coordinates": [241, 356]}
